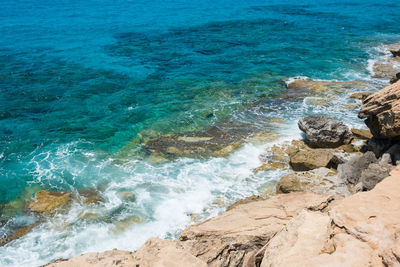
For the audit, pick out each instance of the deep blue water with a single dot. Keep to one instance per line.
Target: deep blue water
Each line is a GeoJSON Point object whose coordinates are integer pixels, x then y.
{"type": "Point", "coordinates": [82, 80]}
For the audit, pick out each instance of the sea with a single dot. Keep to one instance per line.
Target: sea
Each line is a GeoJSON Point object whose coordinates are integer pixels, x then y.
{"type": "Point", "coordinates": [84, 86]}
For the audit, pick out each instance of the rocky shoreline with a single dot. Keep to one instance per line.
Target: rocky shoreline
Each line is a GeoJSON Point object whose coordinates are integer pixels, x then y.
{"type": "Point", "coordinates": [338, 206]}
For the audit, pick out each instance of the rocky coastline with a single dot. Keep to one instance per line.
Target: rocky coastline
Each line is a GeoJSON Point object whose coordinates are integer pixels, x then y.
{"type": "Point", "coordinates": [338, 206]}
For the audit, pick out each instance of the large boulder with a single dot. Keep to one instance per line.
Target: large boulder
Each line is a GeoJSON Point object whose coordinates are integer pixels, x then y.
{"type": "Point", "coordinates": [324, 132]}
{"type": "Point", "coordinates": [321, 180]}
{"type": "Point", "coordinates": [305, 160]}
{"type": "Point", "coordinates": [382, 112]}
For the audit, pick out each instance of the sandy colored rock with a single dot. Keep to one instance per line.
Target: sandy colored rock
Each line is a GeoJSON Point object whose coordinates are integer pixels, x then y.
{"type": "Point", "coordinates": [382, 112]}
{"type": "Point", "coordinates": [373, 217]}
{"type": "Point", "coordinates": [361, 133]}
{"type": "Point", "coordinates": [305, 160]}
{"type": "Point", "coordinates": [154, 253]}
{"type": "Point", "coordinates": [235, 236]}
{"type": "Point", "coordinates": [318, 86]}
{"type": "Point", "coordinates": [48, 202]}
{"type": "Point", "coordinates": [321, 180]}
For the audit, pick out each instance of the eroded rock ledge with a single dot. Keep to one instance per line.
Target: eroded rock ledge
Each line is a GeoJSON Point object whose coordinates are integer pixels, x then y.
{"type": "Point", "coordinates": [296, 229]}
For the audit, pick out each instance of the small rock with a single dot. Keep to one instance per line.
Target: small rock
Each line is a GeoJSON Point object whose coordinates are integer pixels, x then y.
{"type": "Point", "coordinates": [361, 133]}
{"type": "Point", "coordinates": [269, 166]}
{"type": "Point", "coordinates": [350, 106]}
{"type": "Point", "coordinates": [48, 202]}
{"type": "Point", "coordinates": [360, 95]}
{"type": "Point", "coordinates": [378, 146]}
{"type": "Point", "coordinates": [127, 196]}
{"type": "Point", "coordinates": [305, 160]}
{"type": "Point", "coordinates": [394, 152]}
{"type": "Point", "coordinates": [324, 132]}
{"type": "Point", "coordinates": [350, 171]}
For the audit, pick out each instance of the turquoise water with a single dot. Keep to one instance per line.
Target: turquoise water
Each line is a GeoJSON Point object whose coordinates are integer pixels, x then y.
{"type": "Point", "coordinates": [85, 83]}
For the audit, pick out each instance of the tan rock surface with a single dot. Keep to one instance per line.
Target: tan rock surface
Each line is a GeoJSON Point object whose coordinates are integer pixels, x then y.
{"type": "Point", "coordinates": [233, 238]}
{"type": "Point", "coordinates": [382, 112]}
{"type": "Point", "coordinates": [47, 202]}
{"type": "Point", "coordinates": [321, 180]}
{"type": "Point", "coordinates": [305, 160]}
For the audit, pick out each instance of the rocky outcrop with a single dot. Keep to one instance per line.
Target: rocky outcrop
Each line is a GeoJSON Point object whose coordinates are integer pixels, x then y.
{"type": "Point", "coordinates": [296, 229]}
{"type": "Point", "coordinates": [395, 53]}
{"type": "Point", "coordinates": [395, 78]}
{"type": "Point", "coordinates": [361, 133]}
{"type": "Point", "coordinates": [360, 95]}
{"type": "Point", "coordinates": [321, 180]}
{"type": "Point", "coordinates": [324, 132]}
{"type": "Point", "coordinates": [382, 112]}
{"type": "Point", "coordinates": [235, 237]}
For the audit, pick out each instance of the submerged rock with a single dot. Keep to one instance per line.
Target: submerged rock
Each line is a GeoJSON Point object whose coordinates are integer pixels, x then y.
{"type": "Point", "coordinates": [321, 180]}
{"type": "Point", "coordinates": [382, 112]}
{"type": "Point", "coordinates": [395, 53]}
{"type": "Point", "coordinates": [324, 132]}
{"type": "Point", "coordinates": [48, 202]}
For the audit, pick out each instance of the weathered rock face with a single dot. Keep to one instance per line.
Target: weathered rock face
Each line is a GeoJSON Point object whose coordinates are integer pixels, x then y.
{"type": "Point", "coordinates": [305, 160]}
{"type": "Point", "coordinates": [373, 217]}
{"type": "Point", "coordinates": [382, 112]}
{"type": "Point", "coordinates": [235, 237]}
{"type": "Point", "coordinates": [322, 180]}
{"type": "Point", "coordinates": [155, 252]}
{"type": "Point", "coordinates": [47, 202]}
{"type": "Point", "coordinates": [350, 171]}
{"type": "Point", "coordinates": [395, 78]}
{"type": "Point", "coordinates": [375, 173]}
{"type": "Point", "coordinates": [324, 132]}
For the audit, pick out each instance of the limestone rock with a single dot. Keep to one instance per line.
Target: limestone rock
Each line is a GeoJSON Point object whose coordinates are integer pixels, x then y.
{"type": "Point", "coordinates": [233, 238]}
{"type": "Point", "coordinates": [361, 133]}
{"type": "Point", "coordinates": [382, 112]}
{"type": "Point", "coordinates": [373, 217]}
{"type": "Point", "coordinates": [48, 202]}
{"type": "Point", "coordinates": [305, 160]}
{"type": "Point", "coordinates": [322, 180]}
{"type": "Point", "coordinates": [324, 132]}
{"type": "Point", "coordinates": [350, 171]}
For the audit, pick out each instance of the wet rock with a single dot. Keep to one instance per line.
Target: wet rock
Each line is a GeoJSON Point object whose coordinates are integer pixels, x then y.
{"type": "Point", "coordinates": [270, 166]}
{"type": "Point", "coordinates": [325, 86]}
{"type": "Point", "coordinates": [375, 173]}
{"type": "Point", "coordinates": [305, 160]}
{"type": "Point", "coordinates": [321, 180]}
{"type": "Point", "coordinates": [324, 132]}
{"type": "Point", "coordinates": [395, 78]}
{"type": "Point", "coordinates": [360, 95]}
{"type": "Point", "coordinates": [395, 53]}
{"type": "Point", "coordinates": [127, 195]}
{"type": "Point", "coordinates": [48, 202]}
{"type": "Point", "coordinates": [17, 233]}
{"type": "Point", "coordinates": [350, 171]}
{"type": "Point", "coordinates": [361, 133]}
{"type": "Point", "coordinates": [319, 102]}
{"type": "Point", "coordinates": [350, 106]}
{"type": "Point", "coordinates": [382, 112]}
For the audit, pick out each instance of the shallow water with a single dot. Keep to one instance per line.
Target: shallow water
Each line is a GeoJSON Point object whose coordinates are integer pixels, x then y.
{"type": "Point", "coordinates": [85, 84]}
